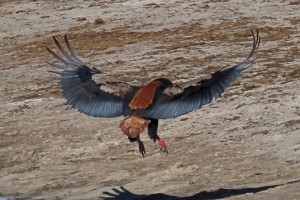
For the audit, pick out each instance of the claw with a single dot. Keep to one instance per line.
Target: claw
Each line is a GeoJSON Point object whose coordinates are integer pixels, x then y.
{"type": "Point", "coordinates": [141, 148]}
{"type": "Point", "coordinates": [163, 145]}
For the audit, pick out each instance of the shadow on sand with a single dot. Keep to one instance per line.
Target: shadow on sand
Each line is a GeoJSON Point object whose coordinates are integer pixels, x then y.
{"type": "Point", "coordinates": [123, 194]}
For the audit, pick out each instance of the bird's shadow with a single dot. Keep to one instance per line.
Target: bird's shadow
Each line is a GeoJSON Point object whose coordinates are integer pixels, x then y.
{"type": "Point", "coordinates": [124, 194]}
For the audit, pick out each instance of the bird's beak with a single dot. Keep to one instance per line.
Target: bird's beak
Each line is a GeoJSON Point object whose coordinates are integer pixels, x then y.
{"type": "Point", "coordinates": [94, 70]}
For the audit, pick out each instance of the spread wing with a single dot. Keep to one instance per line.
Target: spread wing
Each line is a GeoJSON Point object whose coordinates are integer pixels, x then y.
{"type": "Point", "coordinates": [202, 91]}
{"type": "Point", "coordinates": [81, 91]}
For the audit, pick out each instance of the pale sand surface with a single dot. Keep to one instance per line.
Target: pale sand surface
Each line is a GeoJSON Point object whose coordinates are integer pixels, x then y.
{"type": "Point", "coordinates": [245, 145]}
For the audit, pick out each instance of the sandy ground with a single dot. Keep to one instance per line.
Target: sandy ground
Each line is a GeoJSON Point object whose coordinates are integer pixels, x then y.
{"type": "Point", "coordinates": [245, 145]}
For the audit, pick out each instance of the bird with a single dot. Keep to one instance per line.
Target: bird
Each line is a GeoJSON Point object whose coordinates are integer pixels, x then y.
{"type": "Point", "coordinates": [142, 106]}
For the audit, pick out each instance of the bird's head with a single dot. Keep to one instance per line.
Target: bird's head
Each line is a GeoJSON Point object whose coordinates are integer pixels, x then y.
{"type": "Point", "coordinates": [165, 83]}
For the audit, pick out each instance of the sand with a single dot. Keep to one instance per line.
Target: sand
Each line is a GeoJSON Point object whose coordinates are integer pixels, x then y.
{"type": "Point", "coordinates": [245, 145]}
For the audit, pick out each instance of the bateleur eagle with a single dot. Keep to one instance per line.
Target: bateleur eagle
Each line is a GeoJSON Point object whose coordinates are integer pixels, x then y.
{"type": "Point", "coordinates": [142, 106]}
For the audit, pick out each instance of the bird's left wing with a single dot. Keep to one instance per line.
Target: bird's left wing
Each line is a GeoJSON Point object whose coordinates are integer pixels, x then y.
{"type": "Point", "coordinates": [193, 95]}
{"type": "Point", "coordinates": [82, 91]}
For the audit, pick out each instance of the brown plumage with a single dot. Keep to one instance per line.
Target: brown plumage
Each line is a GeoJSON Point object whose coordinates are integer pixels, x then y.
{"type": "Point", "coordinates": [144, 105]}
{"type": "Point", "coordinates": [133, 125]}
{"type": "Point", "coordinates": [145, 95]}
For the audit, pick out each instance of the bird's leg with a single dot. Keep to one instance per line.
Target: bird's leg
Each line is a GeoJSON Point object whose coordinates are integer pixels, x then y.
{"type": "Point", "coordinates": [141, 146]}
{"type": "Point", "coordinates": [152, 129]}
{"type": "Point", "coordinates": [140, 143]}
{"type": "Point", "coordinates": [162, 144]}
{"type": "Point", "coordinates": [152, 132]}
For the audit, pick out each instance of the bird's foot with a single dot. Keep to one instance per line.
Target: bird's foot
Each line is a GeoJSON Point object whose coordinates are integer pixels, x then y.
{"type": "Point", "coordinates": [142, 148]}
{"type": "Point", "coordinates": [163, 145]}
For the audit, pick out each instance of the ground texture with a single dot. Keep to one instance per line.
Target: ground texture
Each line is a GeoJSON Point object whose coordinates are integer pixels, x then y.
{"type": "Point", "coordinates": [245, 145]}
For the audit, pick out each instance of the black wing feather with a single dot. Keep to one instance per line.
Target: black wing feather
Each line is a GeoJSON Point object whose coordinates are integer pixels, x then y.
{"type": "Point", "coordinates": [81, 92]}
{"type": "Point", "coordinates": [196, 96]}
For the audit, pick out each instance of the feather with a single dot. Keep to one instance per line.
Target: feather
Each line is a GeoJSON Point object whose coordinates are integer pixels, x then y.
{"type": "Point", "coordinates": [192, 95]}
{"type": "Point", "coordinates": [79, 88]}
{"type": "Point", "coordinates": [159, 99]}
{"type": "Point", "coordinates": [145, 95]}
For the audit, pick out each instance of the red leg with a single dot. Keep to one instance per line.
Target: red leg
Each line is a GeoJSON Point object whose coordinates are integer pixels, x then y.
{"type": "Point", "coordinates": [163, 145]}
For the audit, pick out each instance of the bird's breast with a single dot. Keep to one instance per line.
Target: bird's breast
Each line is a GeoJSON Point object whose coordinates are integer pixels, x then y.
{"type": "Point", "coordinates": [133, 125]}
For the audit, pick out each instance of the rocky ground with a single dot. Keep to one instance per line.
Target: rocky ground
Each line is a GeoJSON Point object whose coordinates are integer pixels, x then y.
{"type": "Point", "coordinates": [245, 145]}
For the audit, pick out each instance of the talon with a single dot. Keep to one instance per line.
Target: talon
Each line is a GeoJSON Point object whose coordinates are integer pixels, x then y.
{"type": "Point", "coordinates": [163, 145]}
{"type": "Point", "coordinates": [141, 148]}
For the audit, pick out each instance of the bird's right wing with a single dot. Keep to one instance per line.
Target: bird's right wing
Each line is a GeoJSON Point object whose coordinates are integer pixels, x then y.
{"type": "Point", "coordinates": [81, 91]}
{"type": "Point", "coordinates": [192, 95]}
